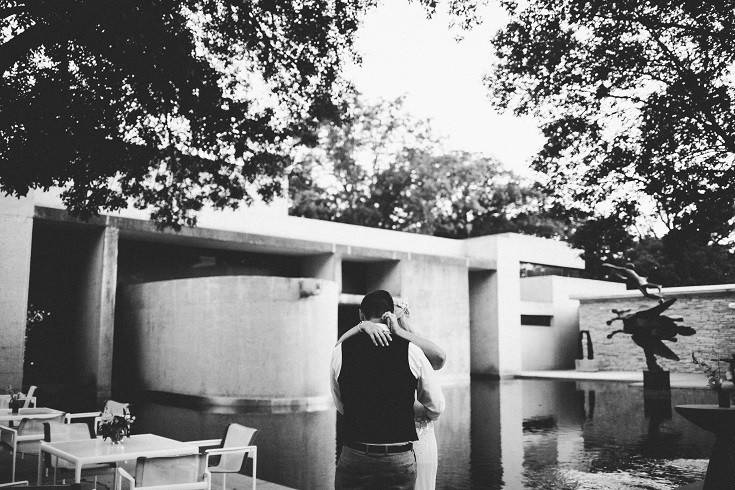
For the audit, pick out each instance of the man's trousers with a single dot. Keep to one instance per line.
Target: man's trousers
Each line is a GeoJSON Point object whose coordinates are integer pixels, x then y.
{"type": "Point", "coordinates": [359, 471]}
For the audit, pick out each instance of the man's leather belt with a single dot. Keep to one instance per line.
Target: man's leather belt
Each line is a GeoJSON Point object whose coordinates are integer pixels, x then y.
{"type": "Point", "coordinates": [380, 448]}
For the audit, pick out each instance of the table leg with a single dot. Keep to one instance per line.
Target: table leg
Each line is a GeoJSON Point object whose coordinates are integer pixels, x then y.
{"type": "Point", "coordinates": [78, 473]}
{"type": "Point", "coordinates": [39, 475]}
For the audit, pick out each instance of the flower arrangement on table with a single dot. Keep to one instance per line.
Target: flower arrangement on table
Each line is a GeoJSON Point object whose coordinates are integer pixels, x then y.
{"type": "Point", "coordinates": [16, 399]}
{"type": "Point", "coordinates": [718, 379]}
{"type": "Point", "coordinates": [116, 427]}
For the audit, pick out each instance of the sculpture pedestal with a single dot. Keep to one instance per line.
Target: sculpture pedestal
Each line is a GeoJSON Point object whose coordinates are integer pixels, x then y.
{"type": "Point", "coordinates": [586, 365]}
{"type": "Point", "coordinates": [656, 397]}
{"type": "Point", "coordinates": [721, 422]}
{"type": "Point", "coordinates": [656, 380]}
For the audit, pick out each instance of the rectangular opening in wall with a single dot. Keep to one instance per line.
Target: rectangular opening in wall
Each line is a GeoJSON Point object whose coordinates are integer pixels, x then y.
{"type": "Point", "coordinates": [536, 320]}
{"type": "Point", "coordinates": [354, 277]}
{"type": "Point", "coordinates": [141, 261]}
{"type": "Point", "coordinates": [529, 269]}
{"type": "Point", "coordinates": [361, 277]}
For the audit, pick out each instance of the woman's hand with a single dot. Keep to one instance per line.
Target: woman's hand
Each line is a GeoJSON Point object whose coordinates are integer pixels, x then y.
{"type": "Point", "coordinates": [395, 326]}
{"type": "Point", "coordinates": [401, 310]}
{"type": "Point", "coordinates": [379, 333]}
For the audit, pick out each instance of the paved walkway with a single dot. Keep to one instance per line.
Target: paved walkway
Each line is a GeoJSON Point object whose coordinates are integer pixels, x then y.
{"type": "Point", "coordinates": [27, 471]}
{"type": "Point", "coordinates": [678, 380]}
{"type": "Point", "coordinates": [243, 482]}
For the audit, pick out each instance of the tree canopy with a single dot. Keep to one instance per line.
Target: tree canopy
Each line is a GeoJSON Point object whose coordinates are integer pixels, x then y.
{"type": "Point", "coordinates": [383, 168]}
{"type": "Point", "coordinates": [174, 104]}
{"type": "Point", "coordinates": [635, 97]}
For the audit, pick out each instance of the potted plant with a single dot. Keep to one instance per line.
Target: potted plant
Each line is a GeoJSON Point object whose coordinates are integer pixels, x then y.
{"type": "Point", "coordinates": [116, 427]}
{"type": "Point", "coordinates": [717, 379]}
{"type": "Point", "coordinates": [15, 402]}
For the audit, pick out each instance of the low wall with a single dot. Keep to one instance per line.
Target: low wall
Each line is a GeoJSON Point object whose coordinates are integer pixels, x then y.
{"type": "Point", "coordinates": [704, 308]}
{"type": "Point", "coordinates": [246, 337]}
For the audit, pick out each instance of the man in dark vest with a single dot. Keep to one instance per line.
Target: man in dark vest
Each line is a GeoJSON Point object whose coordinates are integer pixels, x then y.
{"type": "Point", "coordinates": [374, 388]}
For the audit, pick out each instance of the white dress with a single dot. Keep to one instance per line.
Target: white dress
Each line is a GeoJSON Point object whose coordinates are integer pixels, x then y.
{"type": "Point", "coordinates": [427, 457]}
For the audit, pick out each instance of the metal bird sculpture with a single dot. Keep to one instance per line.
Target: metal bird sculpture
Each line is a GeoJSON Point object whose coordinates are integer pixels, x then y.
{"type": "Point", "coordinates": [631, 277]}
{"type": "Point", "coordinates": [648, 328]}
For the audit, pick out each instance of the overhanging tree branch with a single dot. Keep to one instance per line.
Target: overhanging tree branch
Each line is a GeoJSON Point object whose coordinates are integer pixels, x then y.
{"type": "Point", "coordinates": [22, 44]}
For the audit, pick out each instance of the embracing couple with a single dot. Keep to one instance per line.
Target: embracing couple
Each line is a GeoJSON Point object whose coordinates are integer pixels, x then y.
{"type": "Point", "coordinates": [384, 385]}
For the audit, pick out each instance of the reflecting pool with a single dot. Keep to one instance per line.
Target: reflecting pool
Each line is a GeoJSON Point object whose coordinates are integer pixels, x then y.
{"type": "Point", "coordinates": [494, 435]}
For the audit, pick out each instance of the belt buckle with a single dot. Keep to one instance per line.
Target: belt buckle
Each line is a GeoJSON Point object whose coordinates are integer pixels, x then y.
{"type": "Point", "coordinates": [376, 449]}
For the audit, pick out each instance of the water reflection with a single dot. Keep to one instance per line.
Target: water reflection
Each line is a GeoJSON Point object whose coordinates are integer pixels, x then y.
{"type": "Point", "coordinates": [494, 435]}
{"type": "Point", "coordinates": [294, 449]}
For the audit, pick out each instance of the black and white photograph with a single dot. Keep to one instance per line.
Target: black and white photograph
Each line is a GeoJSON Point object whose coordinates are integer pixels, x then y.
{"type": "Point", "coordinates": [367, 244]}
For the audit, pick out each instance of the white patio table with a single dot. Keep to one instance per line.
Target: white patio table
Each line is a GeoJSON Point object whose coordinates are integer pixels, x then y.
{"type": "Point", "coordinates": [6, 414]}
{"type": "Point", "coordinates": [97, 451]}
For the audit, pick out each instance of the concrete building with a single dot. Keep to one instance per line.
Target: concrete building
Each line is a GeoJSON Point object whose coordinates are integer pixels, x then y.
{"type": "Point", "coordinates": [246, 307]}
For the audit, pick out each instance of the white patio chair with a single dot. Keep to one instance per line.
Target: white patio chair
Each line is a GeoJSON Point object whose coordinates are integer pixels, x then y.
{"type": "Point", "coordinates": [237, 436]}
{"type": "Point", "coordinates": [23, 439]}
{"type": "Point", "coordinates": [115, 408]}
{"type": "Point", "coordinates": [29, 400]}
{"type": "Point", "coordinates": [167, 473]}
{"type": "Point", "coordinates": [174, 473]}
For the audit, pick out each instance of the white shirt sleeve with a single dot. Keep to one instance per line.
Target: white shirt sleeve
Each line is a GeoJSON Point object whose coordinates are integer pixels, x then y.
{"type": "Point", "coordinates": [335, 368]}
{"type": "Point", "coordinates": [428, 390]}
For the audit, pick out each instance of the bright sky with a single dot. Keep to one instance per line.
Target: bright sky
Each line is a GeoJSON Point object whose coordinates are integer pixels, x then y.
{"type": "Point", "coordinates": [404, 53]}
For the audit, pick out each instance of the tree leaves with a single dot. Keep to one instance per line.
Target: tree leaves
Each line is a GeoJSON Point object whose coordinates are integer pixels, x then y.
{"type": "Point", "coordinates": [382, 168]}
{"type": "Point", "coordinates": [632, 95]}
{"type": "Point", "coordinates": [103, 97]}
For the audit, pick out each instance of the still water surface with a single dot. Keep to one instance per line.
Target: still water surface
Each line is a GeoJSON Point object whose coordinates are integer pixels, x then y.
{"type": "Point", "coordinates": [494, 435]}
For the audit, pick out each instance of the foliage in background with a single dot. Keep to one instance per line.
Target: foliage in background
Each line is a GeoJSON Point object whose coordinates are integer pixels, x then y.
{"type": "Point", "coordinates": [634, 98]}
{"type": "Point", "coordinates": [673, 260]}
{"type": "Point", "coordinates": [173, 104]}
{"type": "Point", "coordinates": [382, 168]}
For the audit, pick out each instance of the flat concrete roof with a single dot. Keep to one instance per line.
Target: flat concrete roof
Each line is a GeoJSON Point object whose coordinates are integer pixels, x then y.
{"type": "Point", "coordinates": [348, 246]}
{"type": "Point", "coordinates": [272, 231]}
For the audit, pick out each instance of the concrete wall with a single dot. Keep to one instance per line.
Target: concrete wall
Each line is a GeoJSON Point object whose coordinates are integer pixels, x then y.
{"type": "Point", "coordinates": [16, 227]}
{"type": "Point", "coordinates": [96, 313]}
{"type": "Point", "coordinates": [500, 346]}
{"type": "Point", "coordinates": [437, 293]}
{"type": "Point", "coordinates": [235, 336]}
{"type": "Point", "coordinates": [496, 343]}
{"type": "Point", "coordinates": [704, 308]}
{"type": "Point", "coordinates": [484, 345]}
{"type": "Point", "coordinates": [431, 272]}
{"type": "Point", "coordinates": [555, 347]}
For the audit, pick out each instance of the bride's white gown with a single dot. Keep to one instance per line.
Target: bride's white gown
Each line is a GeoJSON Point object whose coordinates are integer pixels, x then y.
{"type": "Point", "coordinates": [426, 455]}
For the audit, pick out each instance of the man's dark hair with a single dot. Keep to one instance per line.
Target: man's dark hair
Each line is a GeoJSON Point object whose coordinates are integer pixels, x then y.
{"type": "Point", "coordinates": [375, 303]}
